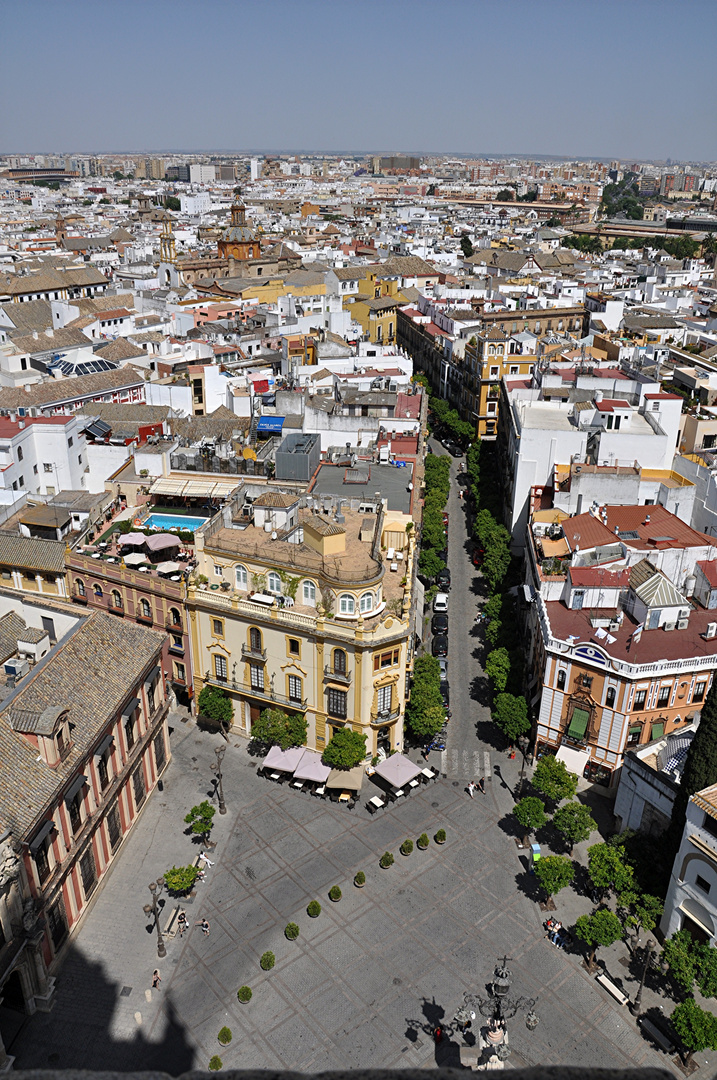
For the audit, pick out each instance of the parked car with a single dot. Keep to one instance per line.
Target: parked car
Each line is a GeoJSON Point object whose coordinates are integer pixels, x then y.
{"type": "Point", "coordinates": [443, 579]}
{"type": "Point", "coordinates": [445, 694]}
{"type": "Point", "coordinates": [439, 624]}
{"type": "Point", "coordinates": [478, 554]}
{"type": "Point", "coordinates": [445, 519]}
{"type": "Point", "coordinates": [443, 554]}
{"type": "Point", "coordinates": [440, 602]}
{"type": "Point", "coordinates": [440, 645]}
{"type": "Point", "coordinates": [443, 668]}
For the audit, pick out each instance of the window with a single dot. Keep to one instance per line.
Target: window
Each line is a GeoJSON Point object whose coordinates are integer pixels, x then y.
{"type": "Point", "coordinates": [218, 627]}
{"type": "Point", "coordinates": [114, 827]}
{"type": "Point", "coordinates": [493, 371]}
{"type": "Point", "coordinates": [20, 455]}
{"type": "Point", "coordinates": [175, 619]}
{"type": "Point", "coordinates": [220, 668]}
{"type": "Point", "coordinates": [709, 824]}
{"type": "Point", "coordinates": [295, 689]}
{"type": "Point", "coordinates": [218, 571]}
{"type": "Point", "coordinates": [74, 808]}
{"type": "Point", "coordinates": [256, 672]}
{"type": "Point", "coordinates": [116, 598]}
{"type": "Point", "coordinates": [294, 646]}
{"type": "Point", "coordinates": [129, 731]}
{"type": "Point", "coordinates": [702, 883]}
{"type": "Point", "coordinates": [138, 785]}
{"type": "Point", "coordinates": [180, 673]}
{"type": "Point", "coordinates": [255, 640]}
{"type": "Point", "coordinates": [21, 481]}
{"type": "Point", "coordinates": [150, 697]}
{"type": "Point", "coordinates": [664, 696]}
{"type": "Point", "coordinates": [145, 609]}
{"type": "Point", "coordinates": [309, 592]}
{"type": "Point", "coordinates": [346, 604]}
{"type": "Point", "coordinates": [103, 772]}
{"type": "Point", "coordinates": [383, 699]}
{"type": "Point", "coordinates": [655, 406]}
{"type": "Point", "coordinates": [240, 575]}
{"type": "Point", "coordinates": [610, 697]}
{"type": "Point", "coordinates": [160, 755]}
{"type": "Point", "coordinates": [576, 600]}
{"type": "Point", "coordinates": [42, 861]}
{"type": "Point", "coordinates": [579, 724]}
{"type": "Point", "coordinates": [633, 735]}
{"type": "Point", "coordinates": [340, 665]}
{"type": "Point", "coordinates": [79, 459]}
{"type": "Point", "coordinates": [366, 601]}
{"type": "Point", "coordinates": [561, 680]}
{"type": "Point", "coordinates": [639, 702]}
{"type": "Point", "coordinates": [57, 923]}
{"type": "Point", "coordinates": [70, 441]}
{"type": "Point", "coordinates": [47, 466]}
{"type": "Point", "coordinates": [273, 582]}
{"type": "Point", "coordinates": [657, 731]}
{"type": "Point", "coordinates": [336, 703]}
{"type": "Point", "coordinates": [699, 692]}
{"type": "Point", "coordinates": [97, 589]}
{"type": "Point", "coordinates": [34, 469]}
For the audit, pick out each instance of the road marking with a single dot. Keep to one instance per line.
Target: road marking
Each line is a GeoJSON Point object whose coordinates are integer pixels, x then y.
{"type": "Point", "coordinates": [138, 1017]}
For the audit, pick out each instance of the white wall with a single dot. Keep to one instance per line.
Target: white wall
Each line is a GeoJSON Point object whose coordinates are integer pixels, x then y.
{"type": "Point", "coordinates": [103, 461]}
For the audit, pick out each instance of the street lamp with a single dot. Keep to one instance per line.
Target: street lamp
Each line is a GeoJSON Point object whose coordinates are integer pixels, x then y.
{"type": "Point", "coordinates": [523, 745]}
{"type": "Point", "coordinates": [155, 887]}
{"type": "Point", "coordinates": [636, 1005]}
{"type": "Point", "coordinates": [220, 751]}
{"type": "Point", "coordinates": [498, 1006]}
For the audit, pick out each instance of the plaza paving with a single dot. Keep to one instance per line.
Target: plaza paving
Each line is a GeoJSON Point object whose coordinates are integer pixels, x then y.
{"type": "Point", "coordinates": [362, 981]}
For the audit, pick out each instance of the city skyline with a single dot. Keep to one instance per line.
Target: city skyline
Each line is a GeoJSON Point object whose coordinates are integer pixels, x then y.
{"type": "Point", "coordinates": [534, 79]}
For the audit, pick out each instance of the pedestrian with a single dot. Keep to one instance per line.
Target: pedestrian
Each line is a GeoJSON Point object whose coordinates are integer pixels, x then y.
{"type": "Point", "coordinates": [156, 979]}
{"type": "Point", "coordinates": [481, 785]}
{"type": "Point", "coordinates": [182, 923]}
{"type": "Point", "coordinates": [203, 858]}
{"type": "Point", "coordinates": [204, 925]}
{"type": "Point", "coordinates": [201, 875]}
{"type": "Point", "coordinates": [471, 789]}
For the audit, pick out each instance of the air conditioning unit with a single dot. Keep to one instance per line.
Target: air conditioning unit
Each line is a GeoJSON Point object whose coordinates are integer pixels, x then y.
{"type": "Point", "coordinates": [711, 630]}
{"type": "Point", "coordinates": [669, 626]}
{"type": "Point", "coordinates": [17, 668]}
{"type": "Point", "coordinates": [682, 624]}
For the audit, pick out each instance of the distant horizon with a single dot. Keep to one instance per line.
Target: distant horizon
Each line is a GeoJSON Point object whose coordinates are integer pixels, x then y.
{"type": "Point", "coordinates": [314, 73]}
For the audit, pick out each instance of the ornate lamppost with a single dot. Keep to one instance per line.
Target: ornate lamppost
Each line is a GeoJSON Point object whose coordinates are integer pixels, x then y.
{"type": "Point", "coordinates": [636, 1005]}
{"type": "Point", "coordinates": [155, 887]}
{"type": "Point", "coordinates": [498, 1007]}
{"type": "Point", "coordinates": [220, 751]}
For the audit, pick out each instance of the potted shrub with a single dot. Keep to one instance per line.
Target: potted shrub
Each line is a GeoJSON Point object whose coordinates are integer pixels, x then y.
{"type": "Point", "coordinates": [314, 909]}
{"type": "Point", "coordinates": [225, 1036]}
{"type": "Point", "coordinates": [267, 961]}
{"type": "Point", "coordinates": [335, 893]}
{"type": "Point", "coordinates": [181, 879]}
{"type": "Point", "coordinates": [215, 1063]}
{"type": "Point", "coordinates": [423, 841]}
{"type": "Point", "coordinates": [440, 836]}
{"type": "Point", "coordinates": [386, 860]}
{"type": "Point", "coordinates": [292, 931]}
{"type": "Point", "coordinates": [406, 847]}
{"type": "Point", "coordinates": [360, 880]}
{"type": "Point", "coordinates": [244, 994]}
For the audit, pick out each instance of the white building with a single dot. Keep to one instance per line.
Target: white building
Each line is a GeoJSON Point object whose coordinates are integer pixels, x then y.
{"type": "Point", "coordinates": [255, 168]}
{"type": "Point", "coordinates": [691, 903]}
{"type": "Point", "coordinates": [199, 202]}
{"type": "Point", "coordinates": [202, 174]}
{"type": "Point", "coordinates": [42, 454]}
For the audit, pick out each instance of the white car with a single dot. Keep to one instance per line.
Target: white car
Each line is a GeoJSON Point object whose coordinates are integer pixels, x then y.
{"type": "Point", "coordinates": [440, 604]}
{"type": "Point", "coordinates": [443, 666]}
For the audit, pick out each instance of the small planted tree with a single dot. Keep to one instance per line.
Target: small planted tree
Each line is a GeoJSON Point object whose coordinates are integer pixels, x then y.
{"type": "Point", "coordinates": [643, 910]}
{"type": "Point", "coordinates": [215, 703]}
{"type": "Point", "coordinates": [510, 714]}
{"type": "Point", "coordinates": [554, 873]}
{"type": "Point", "coordinates": [267, 960]}
{"type": "Point", "coordinates": [314, 909]}
{"type": "Point", "coordinates": [696, 1027]}
{"type": "Point", "coordinates": [406, 847]}
{"type": "Point", "coordinates": [497, 668]}
{"type": "Point", "coordinates": [552, 779]}
{"type": "Point", "coordinates": [244, 994]}
{"type": "Point", "coordinates": [180, 879]}
{"type": "Point", "coordinates": [225, 1036]}
{"type": "Point", "coordinates": [335, 893]}
{"type": "Point", "coordinates": [346, 750]}
{"type": "Point", "coordinates": [440, 836]}
{"type": "Point", "coordinates": [575, 822]}
{"type": "Point", "coordinates": [601, 929]}
{"type": "Point", "coordinates": [215, 1063]}
{"type": "Point", "coordinates": [530, 813]}
{"type": "Point", "coordinates": [423, 841]}
{"type": "Point", "coordinates": [291, 931]}
{"type": "Point", "coordinates": [200, 818]}
{"type": "Point", "coordinates": [386, 860]}
{"type": "Point", "coordinates": [360, 879]}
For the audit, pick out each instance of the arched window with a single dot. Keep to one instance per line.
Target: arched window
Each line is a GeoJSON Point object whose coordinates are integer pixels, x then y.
{"type": "Point", "coordinates": [273, 582]}
{"type": "Point", "coordinates": [309, 592]}
{"type": "Point", "coordinates": [175, 618]}
{"type": "Point", "coordinates": [491, 350]}
{"type": "Point", "coordinates": [347, 604]}
{"type": "Point", "coordinates": [97, 589]}
{"type": "Point", "coordinates": [561, 680]}
{"type": "Point", "coordinates": [255, 639]}
{"type": "Point", "coordinates": [610, 697]}
{"type": "Point", "coordinates": [339, 661]}
{"type": "Point", "coordinates": [366, 601]}
{"type": "Point", "coordinates": [80, 585]}
{"type": "Point", "coordinates": [241, 577]}
{"type": "Point", "coordinates": [146, 609]}
{"type": "Point", "coordinates": [116, 598]}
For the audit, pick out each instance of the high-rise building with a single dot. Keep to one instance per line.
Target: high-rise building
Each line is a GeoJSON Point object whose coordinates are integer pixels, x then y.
{"type": "Point", "coordinates": [255, 168]}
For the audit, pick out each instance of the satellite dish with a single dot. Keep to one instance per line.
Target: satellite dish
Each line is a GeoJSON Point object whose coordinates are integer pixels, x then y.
{"type": "Point", "coordinates": [248, 453]}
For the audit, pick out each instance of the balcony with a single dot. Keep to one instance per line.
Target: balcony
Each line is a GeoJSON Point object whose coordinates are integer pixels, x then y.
{"type": "Point", "coordinates": [343, 677]}
{"type": "Point", "coordinates": [248, 653]}
{"type": "Point", "coordinates": [268, 696]}
{"type": "Point", "coordinates": [381, 719]}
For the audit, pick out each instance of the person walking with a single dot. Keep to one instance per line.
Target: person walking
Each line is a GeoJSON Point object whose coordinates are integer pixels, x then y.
{"type": "Point", "coordinates": [471, 789]}
{"type": "Point", "coordinates": [203, 858]}
{"type": "Point", "coordinates": [156, 979]}
{"type": "Point", "coordinates": [481, 785]}
{"type": "Point", "coordinates": [204, 925]}
{"type": "Point", "coordinates": [182, 925]}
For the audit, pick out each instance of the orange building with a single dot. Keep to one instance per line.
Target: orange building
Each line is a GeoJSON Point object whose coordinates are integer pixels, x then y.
{"type": "Point", "coordinates": [239, 241]}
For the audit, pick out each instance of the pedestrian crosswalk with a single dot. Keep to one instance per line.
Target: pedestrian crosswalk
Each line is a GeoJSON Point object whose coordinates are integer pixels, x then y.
{"type": "Point", "coordinates": [462, 764]}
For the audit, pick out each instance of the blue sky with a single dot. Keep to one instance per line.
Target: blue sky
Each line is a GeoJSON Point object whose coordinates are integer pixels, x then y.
{"type": "Point", "coordinates": [610, 78]}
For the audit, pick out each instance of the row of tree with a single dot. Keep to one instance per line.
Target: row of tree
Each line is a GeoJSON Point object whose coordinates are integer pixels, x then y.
{"type": "Point", "coordinates": [433, 531]}
{"type": "Point", "coordinates": [425, 712]}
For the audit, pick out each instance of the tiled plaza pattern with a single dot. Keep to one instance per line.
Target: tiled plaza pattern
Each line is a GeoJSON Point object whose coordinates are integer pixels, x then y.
{"type": "Point", "coordinates": [361, 982]}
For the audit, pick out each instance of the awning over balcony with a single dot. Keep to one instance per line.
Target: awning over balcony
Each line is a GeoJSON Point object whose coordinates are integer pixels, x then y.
{"type": "Point", "coordinates": [194, 489]}
{"type": "Point", "coordinates": [77, 784]}
{"type": "Point", "coordinates": [40, 835]}
{"type": "Point", "coordinates": [104, 745]}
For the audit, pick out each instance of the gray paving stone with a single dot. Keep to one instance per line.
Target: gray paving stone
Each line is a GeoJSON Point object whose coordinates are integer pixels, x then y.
{"type": "Point", "coordinates": [296, 1041]}
{"type": "Point", "coordinates": [304, 975]}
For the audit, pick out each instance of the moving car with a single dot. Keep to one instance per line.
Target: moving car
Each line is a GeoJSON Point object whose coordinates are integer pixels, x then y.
{"type": "Point", "coordinates": [439, 624]}
{"type": "Point", "coordinates": [440, 645]}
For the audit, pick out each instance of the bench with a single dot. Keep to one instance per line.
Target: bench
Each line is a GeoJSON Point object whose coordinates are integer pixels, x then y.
{"type": "Point", "coordinates": [658, 1036]}
{"type": "Point", "coordinates": [170, 927]}
{"type": "Point", "coordinates": [611, 988]}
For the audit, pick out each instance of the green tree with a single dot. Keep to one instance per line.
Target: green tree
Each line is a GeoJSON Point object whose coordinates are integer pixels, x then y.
{"type": "Point", "coordinates": [421, 380]}
{"type": "Point", "coordinates": [644, 910]}
{"type": "Point", "coordinates": [678, 953]}
{"type": "Point", "coordinates": [180, 879]}
{"type": "Point", "coordinates": [575, 822]}
{"type": "Point", "coordinates": [608, 869]}
{"type": "Point", "coordinates": [429, 563]}
{"type": "Point", "coordinates": [696, 1027]}
{"type": "Point", "coordinates": [552, 779]}
{"type": "Point", "coordinates": [505, 195]}
{"type": "Point", "coordinates": [700, 769]}
{"type": "Point", "coordinates": [215, 703]}
{"type": "Point", "coordinates": [530, 813]}
{"type": "Point", "coordinates": [554, 872]}
{"type": "Point", "coordinates": [428, 722]}
{"type": "Point", "coordinates": [601, 929]}
{"type": "Point", "coordinates": [276, 728]}
{"type": "Point", "coordinates": [466, 246]}
{"type": "Point", "coordinates": [709, 245]}
{"type": "Point", "coordinates": [346, 749]}
{"type": "Point", "coordinates": [497, 668]}
{"type": "Point", "coordinates": [200, 818]}
{"type": "Point", "coordinates": [172, 202]}
{"type": "Point", "coordinates": [706, 977]}
{"type": "Point", "coordinates": [510, 713]}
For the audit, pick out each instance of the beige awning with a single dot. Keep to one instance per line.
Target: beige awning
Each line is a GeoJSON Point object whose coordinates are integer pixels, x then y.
{"type": "Point", "coordinates": [165, 485]}
{"type": "Point", "coordinates": [555, 549]}
{"type": "Point", "coordinates": [346, 779]}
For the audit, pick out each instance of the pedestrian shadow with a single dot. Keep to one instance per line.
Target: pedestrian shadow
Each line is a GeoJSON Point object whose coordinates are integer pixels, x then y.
{"type": "Point", "coordinates": [446, 1050]}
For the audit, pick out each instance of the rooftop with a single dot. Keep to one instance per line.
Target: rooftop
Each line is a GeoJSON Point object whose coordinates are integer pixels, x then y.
{"type": "Point", "coordinates": [382, 481]}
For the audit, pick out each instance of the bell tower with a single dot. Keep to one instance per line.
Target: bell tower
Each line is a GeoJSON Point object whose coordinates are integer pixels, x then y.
{"type": "Point", "coordinates": [167, 249]}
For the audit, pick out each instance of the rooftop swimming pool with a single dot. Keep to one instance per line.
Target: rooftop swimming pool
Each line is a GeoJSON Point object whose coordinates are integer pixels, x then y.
{"type": "Point", "coordinates": [174, 521]}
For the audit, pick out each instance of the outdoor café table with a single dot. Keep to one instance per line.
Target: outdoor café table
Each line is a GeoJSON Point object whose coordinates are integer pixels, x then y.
{"type": "Point", "coordinates": [319, 790]}
{"type": "Point", "coordinates": [275, 776]}
{"type": "Point", "coordinates": [298, 784]}
{"type": "Point", "coordinates": [428, 773]}
{"type": "Point", "coordinates": [376, 802]}
{"type": "Point", "coordinates": [397, 793]}
{"type": "Point", "coordinates": [97, 555]}
{"type": "Point", "coordinates": [413, 784]}
{"type": "Point", "coordinates": [344, 796]}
